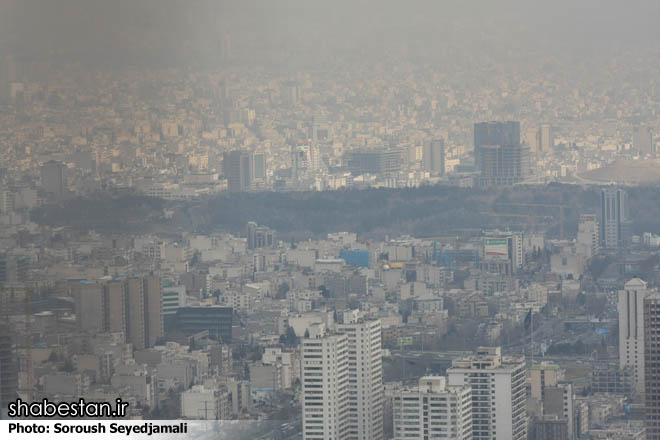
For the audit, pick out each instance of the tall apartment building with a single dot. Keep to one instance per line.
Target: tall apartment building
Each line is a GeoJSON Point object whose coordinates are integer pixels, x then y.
{"type": "Point", "coordinates": [588, 236]}
{"type": "Point", "coordinates": [503, 164]}
{"type": "Point", "coordinates": [258, 173]}
{"type": "Point", "coordinates": [365, 377]}
{"type": "Point", "coordinates": [631, 332]}
{"type": "Point", "coordinates": [558, 402]}
{"type": "Point", "coordinates": [652, 365]}
{"type": "Point", "coordinates": [495, 133]}
{"type": "Point", "coordinates": [131, 306]}
{"type": "Point", "coordinates": [433, 156]}
{"type": "Point", "coordinates": [53, 180]}
{"type": "Point", "coordinates": [614, 223]}
{"type": "Point", "coordinates": [244, 170]}
{"type": "Point", "coordinates": [498, 393]}
{"type": "Point", "coordinates": [546, 137]}
{"type": "Point", "coordinates": [8, 368]}
{"type": "Point", "coordinates": [432, 410]}
{"type": "Point", "coordinates": [236, 167]}
{"type": "Point", "coordinates": [115, 311]}
{"type": "Point", "coordinates": [555, 396]}
{"type": "Point", "coordinates": [135, 299]}
{"type": "Point", "coordinates": [320, 128]}
{"type": "Point", "coordinates": [325, 386]}
{"type": "Point", "coordinates": [498, 153]}
{"type": "Point", "coordinates": [153, 307]}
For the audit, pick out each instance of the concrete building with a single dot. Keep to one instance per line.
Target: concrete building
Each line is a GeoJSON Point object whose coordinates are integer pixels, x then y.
{"type": "Point", "coordinates": [132, 307]}
{"type": "Point", "coordinates": [546, 138]}
{"type": "Point", "coordinates": [115, 312]}
{"type": "Point", "coordinates": [503, 164]}
{"type": "Point", "coordinates": [652, 365]}
{"type": "Point", "coordinates": [216, 320]}
{"type": "Point", "coordinates": [173, 298]}
{"type": "Point", "coordinates": [610, 378]}
{"type": "Point", "coordinates": [374, 161]}
{"type": "Point", "coordinates": [325, 387]}
{"type": "Point", "coordinates": [433, 157]}
{"type": "Point", "coordinates": [153, 308]}
{"type": "Point", "coordinates": [499, 155]}
{"type": "Point", "coordinates": [365, 377]}
{"type": "Point", "coordinates": [588, 236]}
{"type": "Point", "coordinates": [220, 359]}
{"type": "Point", "coordinates": [502, 252]}
{"type": "Point", "coordinates": [432, 409]}
{"type": "Point", "coordinates": [495, 133]}
{"type": "Point", "coordinates": [545, 374]}
{"type": "Point", "coordinates": [287, 363]}
{"type": "Point", "coordinates": [549, 428]}
{"type": "Point", "coordinates": [498, 393]}
{"type": "Point", "coordinates": [201, 403]}
{"type": "Point", "coordinates": [236, 166]}
{"type": "Point", "coordinates": [144, 311]}
{"type": "Point", "coordinates": [52, 179]}
{"type": "Point", "coordinates": [259, 236]}
{"type": "Point", "coordinates": [558, 402]}
{"type": "Point", "coordinates": [240, 396]}
{"type": "Point", "coordinates": [631, 332]}
{"type": "Point", "coordinates": [614, 223]}
{"type": "Point", "coordinates": [8, 370]}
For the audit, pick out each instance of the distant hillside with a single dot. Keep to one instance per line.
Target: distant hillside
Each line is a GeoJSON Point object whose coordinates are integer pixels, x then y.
{"type": "Point", "coordinates": [421, 212]}
{"type": "Point", "coordinates": [627, 172]}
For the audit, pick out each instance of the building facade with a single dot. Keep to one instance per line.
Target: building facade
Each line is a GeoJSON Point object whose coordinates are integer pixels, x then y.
{"type": "Point", "coordinates": [498, 393]}
{"type": "Point", "coordinates": [631, 332]}
{"type": "Point", "coordinates": [432, 410]}
{"type": "Point", "coordinates": [365, 373]}
{"type": "Point", "coordinates": [325, 387]}
{"type": "Point", "coordinates": [652, 365]}
{"type": "Point", "coordinates": [614, 223]}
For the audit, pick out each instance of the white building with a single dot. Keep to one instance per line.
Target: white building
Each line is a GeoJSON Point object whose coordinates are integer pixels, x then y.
{"type": "Point", "coordinates": [200, 403]}
{"type": "Point", "coordinates": [324, 365]}
{"type": "Point", "coordinates": [631, 331]}
{"type": "Point", "coordinates": [433, 410]}
{"type": "Point", "coordinates": [288, 362]}
{"type": "Point", "coordinates": [498, 393]}
{"type": "Point", "coordinates": [172, 298]}
{"type": "Point", "coordinates": [365, 377]}
{"type": "Point", "coordinates": [588, 236]}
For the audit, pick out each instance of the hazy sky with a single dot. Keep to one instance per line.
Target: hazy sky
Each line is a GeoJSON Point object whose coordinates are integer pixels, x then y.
{"type": "Point", "coordinates": [174, 32]}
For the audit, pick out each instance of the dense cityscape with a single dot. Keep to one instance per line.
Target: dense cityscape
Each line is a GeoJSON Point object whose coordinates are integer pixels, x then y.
{"type": "Point", "coordinates": [405, 241]}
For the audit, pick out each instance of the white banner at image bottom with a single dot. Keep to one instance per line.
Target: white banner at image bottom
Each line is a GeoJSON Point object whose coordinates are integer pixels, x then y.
{"type": "Point", "coordinates": [51, 429]}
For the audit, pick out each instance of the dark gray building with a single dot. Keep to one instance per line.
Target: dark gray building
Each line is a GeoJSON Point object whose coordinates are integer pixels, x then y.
{"type": "Point", "coordinates": [614, 222]}
{"type": "Point", "coordinates": [237, 170]}
{"type": "Point", "coordinates": [377, 161]}
{"type": "Point", "coordinates": [216, 319]}
{"type": "Point", "coordinates": [499, 155]}
{"type": "Point", "coordinates": [53, 180]}
{"type": "Point", "coordinates": [433, 156]}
